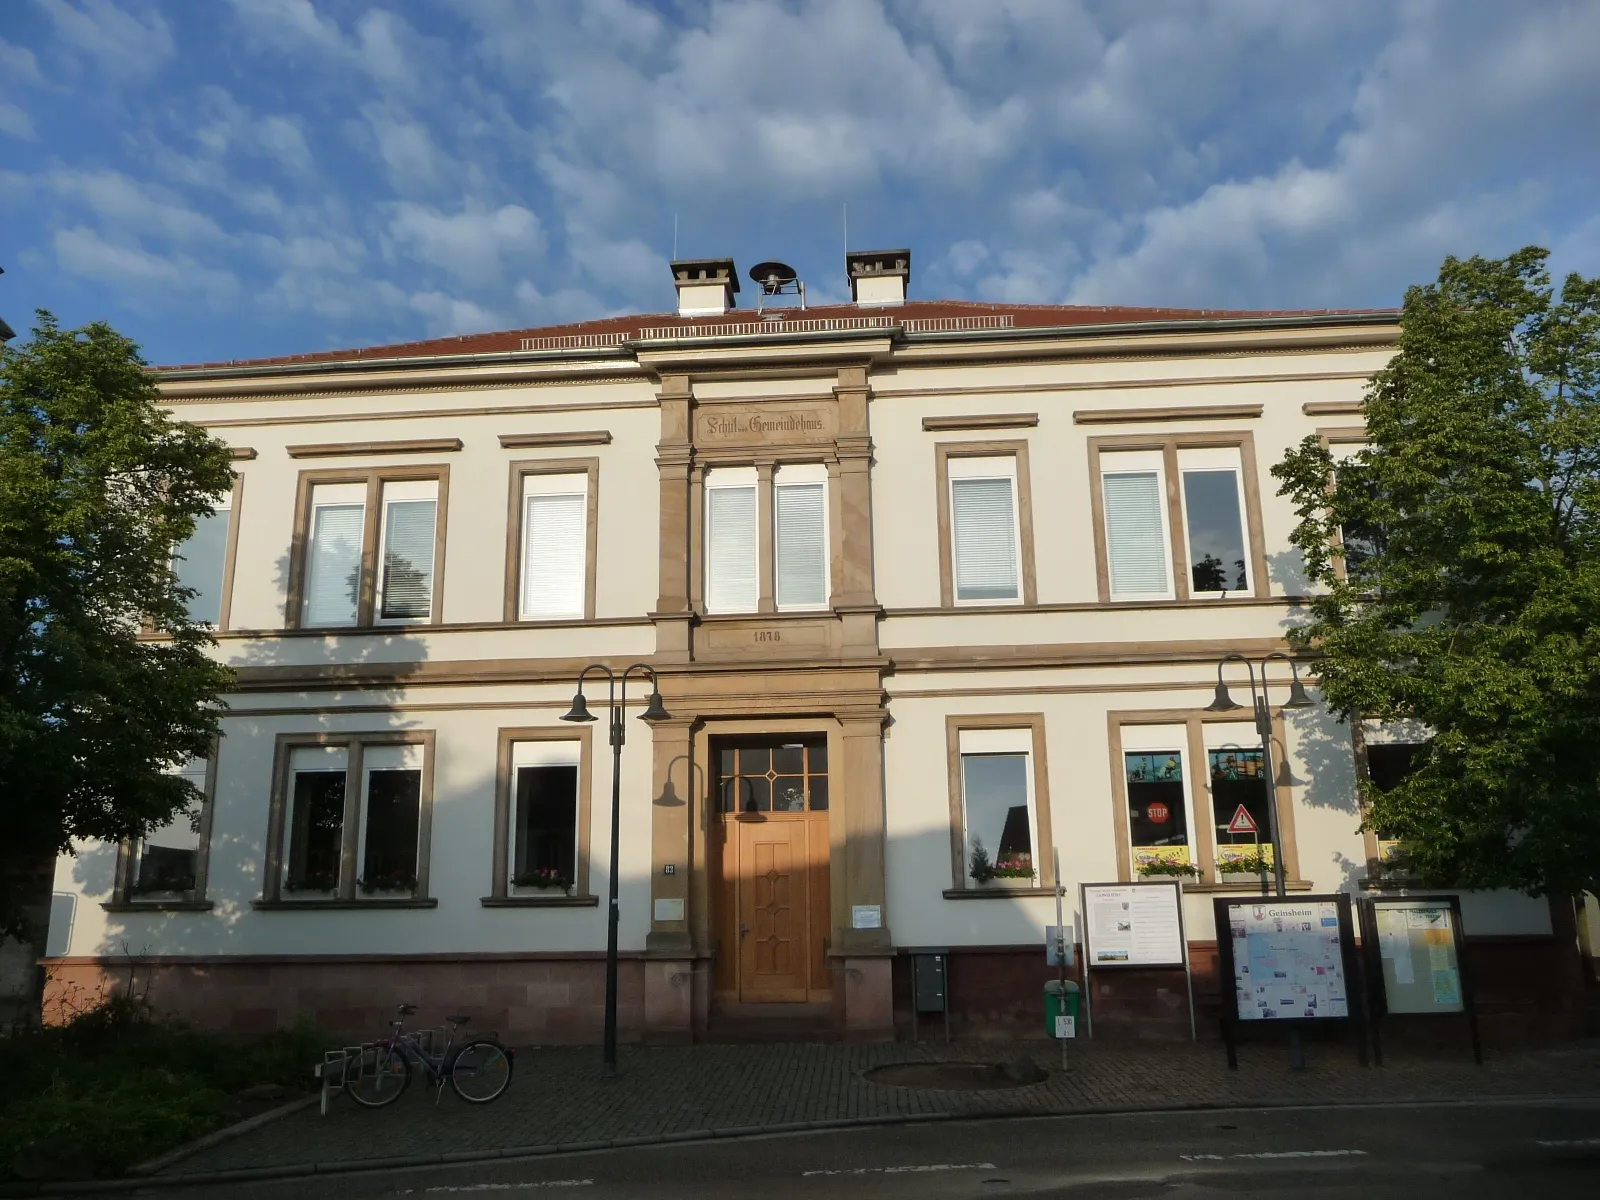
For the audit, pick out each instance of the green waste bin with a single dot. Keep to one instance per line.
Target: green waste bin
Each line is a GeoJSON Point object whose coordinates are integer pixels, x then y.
{"type": "Point", "coordinates": [1053, 1006]}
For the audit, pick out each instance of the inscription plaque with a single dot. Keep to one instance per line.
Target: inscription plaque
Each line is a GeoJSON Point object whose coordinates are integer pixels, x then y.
{"type": "Point", "coordinates": [766, 424]}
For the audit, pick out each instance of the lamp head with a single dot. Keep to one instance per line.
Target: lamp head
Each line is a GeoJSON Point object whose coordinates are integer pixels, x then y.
{"type": "Point", "coordinates": [1222, 701]}
{"type": "Point", "coordinates": [655, 710]}
{"type": "Point", "coordinates": [1297, 694]}
{"type": "Point", "coordinates": [579, 710]}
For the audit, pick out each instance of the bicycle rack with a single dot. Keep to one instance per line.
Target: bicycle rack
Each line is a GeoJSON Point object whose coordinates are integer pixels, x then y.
{"type": "Point", "coordinates": [334, 1070]}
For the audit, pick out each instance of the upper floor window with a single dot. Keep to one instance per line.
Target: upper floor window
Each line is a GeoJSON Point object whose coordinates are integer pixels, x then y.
{"type": "Point", "coordinates": [201, 562]}
{"type": "Point", "coordinates": [739, 575]}
{"type": "Point", "coordinates": [555, 522]}
{"type": "Point", "coordinates": [371, 550]}
{"type": "Point", "coordinates": [1177, 521]}
{"type": "Point", "coordinates": [985, 547]}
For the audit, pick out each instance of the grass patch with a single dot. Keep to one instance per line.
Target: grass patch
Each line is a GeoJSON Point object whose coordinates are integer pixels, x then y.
{"type": "Point", "coordinates": [119, 1085]}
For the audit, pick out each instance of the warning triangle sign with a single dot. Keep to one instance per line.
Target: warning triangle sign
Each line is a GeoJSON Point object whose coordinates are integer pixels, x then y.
{"type": "Point", "coordinates": [1242, 822]}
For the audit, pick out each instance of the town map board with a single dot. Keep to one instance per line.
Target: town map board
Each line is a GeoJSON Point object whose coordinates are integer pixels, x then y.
{"type": "Point", "coordinates": [1288, 961]}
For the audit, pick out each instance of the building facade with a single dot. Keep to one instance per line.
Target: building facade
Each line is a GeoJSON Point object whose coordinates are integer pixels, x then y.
{"type": "Point", "coordinates": [935, 595]}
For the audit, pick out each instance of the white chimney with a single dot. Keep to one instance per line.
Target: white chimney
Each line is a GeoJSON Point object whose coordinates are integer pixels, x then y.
{"type": "Point", "coordinates": [705, 286]}
{"type": "Point", "coordinates": [878, 277]}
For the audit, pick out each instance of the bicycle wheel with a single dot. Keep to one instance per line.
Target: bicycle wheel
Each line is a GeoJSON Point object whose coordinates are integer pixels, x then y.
{"type": "Point", "coordinates": [480, 1071]}
{"type": "Point", "coordinates": [378, 1077]}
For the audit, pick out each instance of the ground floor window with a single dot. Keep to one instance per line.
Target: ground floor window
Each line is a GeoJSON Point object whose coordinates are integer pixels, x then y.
{"type": "Point", "coordinates": [1158, 810]}
{"type": "Point", "coordinates": [1388, 764]}
{"type": "Point", "coordinates": [1239, 800]}
{"type": "Point", "coordinates": [541, 821]}
{"type": "Point", "coordinates": [999, 803]}
{"type": "Point", "coordinates": [167, 864]}
{"type": "Point", "coordinates": [354, 817]}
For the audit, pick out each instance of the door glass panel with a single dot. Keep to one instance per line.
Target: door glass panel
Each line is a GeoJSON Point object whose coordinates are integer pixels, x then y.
{"type": "Point", "coordinates": [773, 775]}
{"type": "Point", "coordinates": [789, 793]}
{"type": "Point", "coordinates": [788, 760]}
{"type": "Point", "coordinates": [819, 793]}
{"type": "Point", "coordinates": [817, 757]}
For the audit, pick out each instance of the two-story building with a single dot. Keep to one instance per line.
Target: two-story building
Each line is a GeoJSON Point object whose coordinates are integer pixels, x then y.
{"type": "Point", "coordinates": [935, 593]}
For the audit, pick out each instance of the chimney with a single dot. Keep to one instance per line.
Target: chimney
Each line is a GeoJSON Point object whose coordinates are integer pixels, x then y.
{"type": "Point", "coordinates": [878, 277]}
{"type": "Point", "coordinates": [705, 286]}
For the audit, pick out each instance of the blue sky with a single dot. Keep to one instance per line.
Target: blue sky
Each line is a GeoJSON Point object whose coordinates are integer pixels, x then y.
{"type": "Point", "coordinates": [235, 178]}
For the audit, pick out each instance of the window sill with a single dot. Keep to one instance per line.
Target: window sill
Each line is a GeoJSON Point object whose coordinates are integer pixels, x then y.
{"type": "Point", "coordinates": [1246, 889]}
{"type": "Point", "coordinates": [386, 902]}
{"type": "Point", "coordinates": [540, 901]}
{"type": "Point", "coordinates": [128, 906]}
{"type": "Point", "coordinates": [996, 893]}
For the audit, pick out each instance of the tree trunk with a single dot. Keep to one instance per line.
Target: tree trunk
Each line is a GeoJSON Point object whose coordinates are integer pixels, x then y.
{"type": "Point", "coordinates": [26, 882]}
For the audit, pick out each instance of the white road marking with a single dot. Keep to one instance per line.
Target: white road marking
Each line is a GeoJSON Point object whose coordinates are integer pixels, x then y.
{"type": "Point", "coordinates": [984, 1166]}
{"type": "Point", "coordinates": [1273, 1154]}
{"type": "Point", "coordinates": [1569, 1142]}
{"type": "Point", "coordinates": [505, 1187]}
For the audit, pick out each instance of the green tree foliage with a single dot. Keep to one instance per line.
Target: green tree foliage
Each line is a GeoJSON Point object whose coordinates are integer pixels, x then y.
{"type": "Point", "coordinates": [1469, 600]}
{"type": "Point", "coordinates": [97, 485]}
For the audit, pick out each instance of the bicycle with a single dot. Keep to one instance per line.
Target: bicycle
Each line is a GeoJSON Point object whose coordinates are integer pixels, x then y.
{"type": "Point", "coordinates": [479, 1070]}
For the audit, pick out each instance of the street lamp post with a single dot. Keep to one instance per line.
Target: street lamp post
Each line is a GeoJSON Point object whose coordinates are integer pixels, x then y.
{"type": "Point", "coordinates": [654, 711]}
{"type": "Point", "coordinates": [1263, 714]}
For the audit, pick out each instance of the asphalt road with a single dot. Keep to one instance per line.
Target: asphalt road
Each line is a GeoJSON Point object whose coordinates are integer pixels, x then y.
{"type": "Point", "coordinates": [1420, 1152]}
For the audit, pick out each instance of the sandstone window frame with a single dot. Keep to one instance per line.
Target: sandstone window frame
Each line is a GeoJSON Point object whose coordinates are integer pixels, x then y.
{"type": "Point", "coordinates": [961, 885]}
{"type": "Point", "coordinates": [125, 899]}
{"type": "Point", "coordinates": [768, 471]}
{"type": "Point", "coordinates": [374, 478]}
{"type": "Point", "coordinates": [516, 509]}
{"type": "Point", "coordinates": [500, 895]}
{"type": "Point", "coordinates": [1169, 444]}
{"type": "Point", "coordinates": [1197, 760]}
{"type": "Point", "coordinates": [1016, 449]}
{"type": "Point", "coordinates": [277, 812]}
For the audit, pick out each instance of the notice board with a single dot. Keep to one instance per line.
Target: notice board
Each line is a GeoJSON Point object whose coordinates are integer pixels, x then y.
{"type": "Point", "coordinates": [1133, 925]}
{"type": "Point", "coordinates": [1419, 954]}
{"type": "Point", "coordinates": [1289, 959]}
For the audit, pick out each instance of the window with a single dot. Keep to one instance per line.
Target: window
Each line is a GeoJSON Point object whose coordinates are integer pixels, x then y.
{"type": "Point", "coordinates": [410, 516]}
{"type": "Point", "coordinates": [1213, 513]}
{"type": "Point", "coordinates": [800, 536]}
{"type": "Point", "coordinates": [1137, 552]}
{"type": "Point", "coordinates": [1359, 541]}
{"type": "Point", "coordinates": [541, 818]}
{"type": "Point", "coordinates": [1178, 519]}
{"type": "Point", "coordinates": [985, 547]}
{"type": "Point", "coordinates": [201, 562]}
{"type": "Point", "coordinates": [772, 775]}
{"type": "Point", "coordinates": [371, 550]}
{"type": "Point", "coordinates": [732, 551]}
{"type": "Point", "coordinates": [1157, 798]}
{"type": "Point", "coordinates": [352, 818]}
{"type": "Point", "coordinates": [1239, 782]}
{"type": "Point", "coordinates": [1388, 764]}
{"type": "Point", "coordinates": [999, 803]}
{"type": "Point", "coordinates": [555, 537]}
{"type": "Point", "coordinates": [544, 820]}
{"type": "Point", "coordinates": [167, 866]}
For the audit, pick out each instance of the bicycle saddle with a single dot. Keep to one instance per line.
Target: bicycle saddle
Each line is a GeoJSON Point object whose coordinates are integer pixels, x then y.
{"type": "Point", "coordinates": [407, 1009]}
{"type": "Point", "coordinates": [458, 1020]}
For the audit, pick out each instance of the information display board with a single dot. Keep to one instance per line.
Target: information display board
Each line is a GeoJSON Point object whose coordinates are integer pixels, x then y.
{"type": "Point", "coordinates": [1133, 925]}
{"type": "Point", "coordinates": [1288, 960]}
{"type": "Point", "coordinates": [1414, 956]}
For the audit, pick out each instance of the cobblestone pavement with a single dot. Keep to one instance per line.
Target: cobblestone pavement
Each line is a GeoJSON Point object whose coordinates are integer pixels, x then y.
{"type": "Point", "coordinates": [671, 1093]}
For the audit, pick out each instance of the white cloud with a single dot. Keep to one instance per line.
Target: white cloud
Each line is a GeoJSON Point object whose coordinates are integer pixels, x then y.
{"type": "Point", "coordinates": [16, 122]}
{"type": "Point", "coordinates": [18, 66]}
{"type": "Point", "coordinates": [141, 277]}
{"type": "Point", "coordinates": [470, 244]}
{"type": "Point", "coordinates": [125, 44]}
{"type": "Point", "coordinates": [450, 314]}
{"type": "Point", "coordinates": [134, 206]}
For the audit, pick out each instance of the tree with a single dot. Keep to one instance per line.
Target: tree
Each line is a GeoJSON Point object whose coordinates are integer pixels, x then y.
{"type": "Point", "coordinates": [1469, 599]}
{"type": "Point", "coordinates": [105, 683]}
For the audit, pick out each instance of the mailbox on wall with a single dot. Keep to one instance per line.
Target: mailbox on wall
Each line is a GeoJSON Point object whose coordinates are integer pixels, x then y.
{"type": "Point", "coordinates": [930, 988]}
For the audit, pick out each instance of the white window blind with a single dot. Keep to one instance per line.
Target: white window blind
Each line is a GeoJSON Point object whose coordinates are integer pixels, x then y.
{"type": "Point", "coordinates": [1136, 525]}
{"type": "Point", "coordinates": [731, 546]}
{"type": "Point", "coordinates": [983, 519]}
{"type": "Point", "coordinates": [555, 541]}
{"type": "Point", "coordinates": [410, 513]}
{"type": "Point", "coordinates": [333, 557]}
{"type": "Point", "coordinates": [800, 512]}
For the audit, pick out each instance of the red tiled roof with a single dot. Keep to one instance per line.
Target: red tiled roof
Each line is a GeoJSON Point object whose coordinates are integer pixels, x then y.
{"type": "Point", "coordinates": [1023, 316]}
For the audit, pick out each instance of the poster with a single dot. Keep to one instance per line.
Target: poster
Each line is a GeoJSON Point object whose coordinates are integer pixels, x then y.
{"type": "Point", "coordinates": [1417, 950]}
{"type": "Point", "coordinates": [1132, 925]}
{"type": "Point", "coordinates": [1287, 960]}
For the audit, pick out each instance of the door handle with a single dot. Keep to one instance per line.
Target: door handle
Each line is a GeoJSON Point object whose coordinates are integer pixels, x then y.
{"type": "Point", "coordinates": [743, 929]}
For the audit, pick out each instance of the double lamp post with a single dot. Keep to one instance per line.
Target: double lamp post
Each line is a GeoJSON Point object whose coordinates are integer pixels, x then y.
{"type": "Point", "coordinates": [654, 711]}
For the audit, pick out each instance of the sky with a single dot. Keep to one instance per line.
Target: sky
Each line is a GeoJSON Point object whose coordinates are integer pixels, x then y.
{"type": "Point", "coordinates": [226, 179]}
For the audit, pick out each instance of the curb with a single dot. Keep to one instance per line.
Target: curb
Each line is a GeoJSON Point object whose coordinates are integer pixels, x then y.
{"type": "Point", "coordinates": [448, 1158]}
{"type": "Point", "coordinates": [227, 1133]}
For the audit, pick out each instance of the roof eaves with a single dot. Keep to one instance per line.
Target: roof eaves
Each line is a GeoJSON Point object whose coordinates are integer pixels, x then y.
{"type": "Point", "coordinates": [235, 370]}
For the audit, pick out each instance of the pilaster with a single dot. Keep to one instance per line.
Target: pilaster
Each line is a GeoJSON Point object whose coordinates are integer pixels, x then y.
{"type": "Point", "coordinates": [674, 460]}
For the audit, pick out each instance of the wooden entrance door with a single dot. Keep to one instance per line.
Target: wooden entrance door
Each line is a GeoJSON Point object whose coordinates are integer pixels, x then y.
{"type": "Point", "coordinates": [772, 892]}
